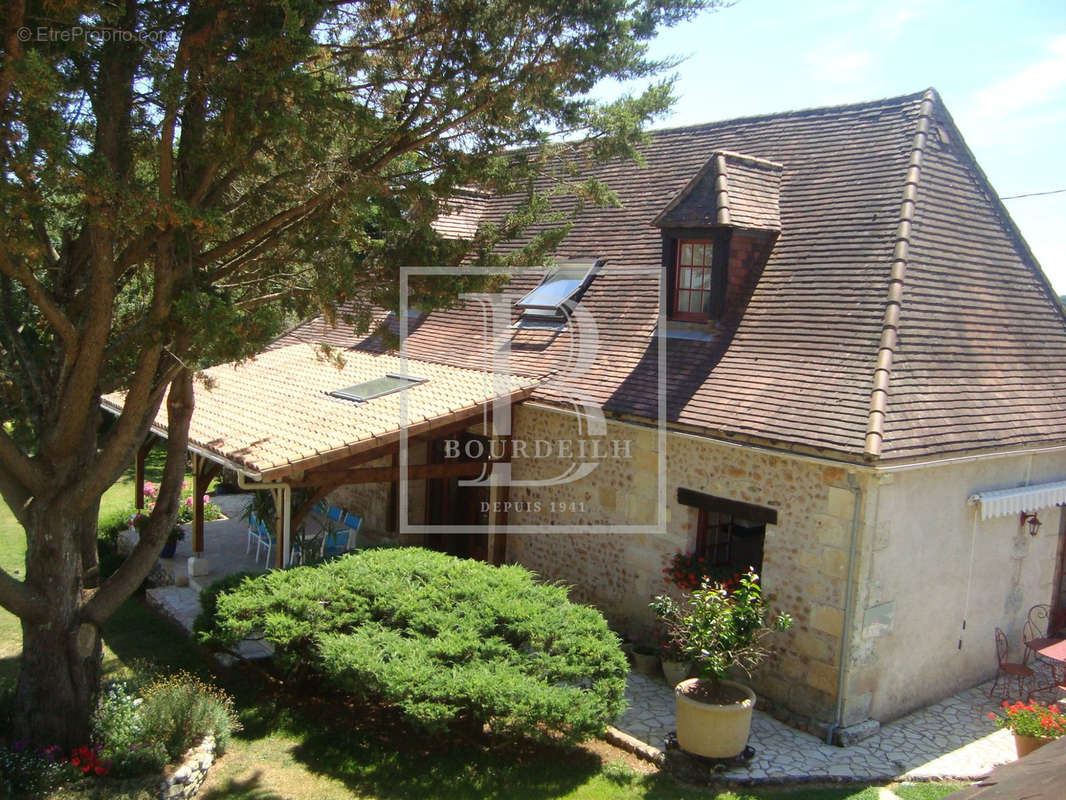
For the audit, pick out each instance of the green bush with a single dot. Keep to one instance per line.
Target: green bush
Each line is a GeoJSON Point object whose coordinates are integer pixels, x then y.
{"type": "Point", "coordinates": [179, 710]}
{"type": "Point", "coordinates": [204, 624]}
{"type": "Point", "coordinates": [443, 639]}
{"type": "Point", "coordinates": [109, 526]}
{"type": "Point", "coordinates": [119, 730]}
{"type": "Point", "coordinates": [141, 735]}
{"type": "Point", "coordinates": [112, 523]}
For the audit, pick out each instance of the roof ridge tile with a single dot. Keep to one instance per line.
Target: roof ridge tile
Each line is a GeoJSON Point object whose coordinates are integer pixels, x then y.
{"type": "Point", "coordinates": [875, 427]}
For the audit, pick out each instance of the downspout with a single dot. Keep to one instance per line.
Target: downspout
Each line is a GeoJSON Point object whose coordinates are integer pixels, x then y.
{"type": "Point", "coordinates": [845, 637]}
{"type": "Point", "coordinates": [285, 540]}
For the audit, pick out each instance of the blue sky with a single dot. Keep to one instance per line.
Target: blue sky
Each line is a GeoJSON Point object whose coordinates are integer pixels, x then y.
{"type": "Point", "coordinates": [999, 66]}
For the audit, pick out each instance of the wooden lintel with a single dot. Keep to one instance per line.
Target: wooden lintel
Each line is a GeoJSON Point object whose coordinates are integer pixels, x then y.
{"type": "Point", "coordinates": [329, 472]}
{"type": "Point", "coordinates": [388, 474]}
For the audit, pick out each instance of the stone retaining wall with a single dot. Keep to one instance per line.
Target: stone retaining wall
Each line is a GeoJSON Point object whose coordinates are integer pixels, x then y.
{"type": "Point", "coordinates": [186, 780]}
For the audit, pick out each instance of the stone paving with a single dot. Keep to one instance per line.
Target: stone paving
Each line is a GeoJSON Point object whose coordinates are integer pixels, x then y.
{"type": "Point", "coordinates": [951, 739]}
{"type": "Point", "coordinates": [182, 604]}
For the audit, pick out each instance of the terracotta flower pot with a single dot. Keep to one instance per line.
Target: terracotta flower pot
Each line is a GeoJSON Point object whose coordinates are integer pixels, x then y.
{"type": "Point", "coordinates": [676, 671]}
{"type": "Point", "coordinates": [645, 661]}
{"type": "Point", "coordinates": [709, 729]}
{"type": "Point", "coordinates": [1027, 744]}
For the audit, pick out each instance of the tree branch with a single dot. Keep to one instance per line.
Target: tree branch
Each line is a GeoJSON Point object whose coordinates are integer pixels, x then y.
{"type": "Point", "coordinates": [41, 297]}
{"type": "Point", "coordinates": [121, 584]}
{"type": "Point", "coordinates": [20, 599]}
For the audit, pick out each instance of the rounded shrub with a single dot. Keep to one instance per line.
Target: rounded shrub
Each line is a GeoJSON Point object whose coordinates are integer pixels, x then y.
{"type": "Point", "coordinates": [443, 639]}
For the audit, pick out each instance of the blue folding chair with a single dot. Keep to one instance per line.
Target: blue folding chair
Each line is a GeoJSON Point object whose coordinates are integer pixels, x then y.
{"type": "Point", "coordinates": [340, 541]}
{"type": "Point", "coordinates": [335, 543]}
{"type": "Point", "coordinates": [253, 534]}
{"type": "Point", "coordinates": [335, 514]}
{"type": "Point", "coordinates": [266, 539]}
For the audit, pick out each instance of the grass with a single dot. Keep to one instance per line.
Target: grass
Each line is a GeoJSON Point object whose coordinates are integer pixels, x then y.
{"type": "Point", "coordinates": [319, 748]}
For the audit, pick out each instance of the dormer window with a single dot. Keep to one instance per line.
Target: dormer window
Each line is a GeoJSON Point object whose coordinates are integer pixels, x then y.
{"type": "Point", "coordinates": [733, 199]}
{"type": "Point", "coordinates": [694, 280]}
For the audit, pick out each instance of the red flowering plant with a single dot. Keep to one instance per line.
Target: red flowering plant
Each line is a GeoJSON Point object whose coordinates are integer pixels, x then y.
{"type": "Point", "coordinates": [688, 570]}
{"type": "Point", "coordinates": [1031, 719]}
{"type": "Point", "coordinates": [87, 759]}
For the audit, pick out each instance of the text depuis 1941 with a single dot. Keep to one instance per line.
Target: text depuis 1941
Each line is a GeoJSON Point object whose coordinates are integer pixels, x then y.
{"type": "Point", "coordinates": [531, 507]}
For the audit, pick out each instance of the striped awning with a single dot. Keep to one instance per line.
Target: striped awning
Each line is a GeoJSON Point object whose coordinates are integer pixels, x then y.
{"type": "Point", "coordinates": [1006, 502]}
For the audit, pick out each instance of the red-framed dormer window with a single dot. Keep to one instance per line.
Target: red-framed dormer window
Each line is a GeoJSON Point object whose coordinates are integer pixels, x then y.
{"type": "Point", "coordinates": [693, 282]}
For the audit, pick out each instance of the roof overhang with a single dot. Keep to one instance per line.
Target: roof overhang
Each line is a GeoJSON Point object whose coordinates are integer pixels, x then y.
{"type": "Point", "coordinates": [272, 417]}
{"type": "Point", "coordinates": [1020, 499]}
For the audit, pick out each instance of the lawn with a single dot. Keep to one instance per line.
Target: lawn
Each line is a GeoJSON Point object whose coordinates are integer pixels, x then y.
{"type": "Point", "coordinates": [318, 748]}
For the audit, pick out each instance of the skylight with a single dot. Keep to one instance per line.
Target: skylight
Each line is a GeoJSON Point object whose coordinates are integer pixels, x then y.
{"type": "Point", "coordinates": [368, 390]}
{"type": "Point", "coordinates": [558, 287]}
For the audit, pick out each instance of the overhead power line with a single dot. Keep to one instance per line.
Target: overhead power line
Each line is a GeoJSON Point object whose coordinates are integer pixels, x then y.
{"type": "Point", "coordinates": [1032, 194]}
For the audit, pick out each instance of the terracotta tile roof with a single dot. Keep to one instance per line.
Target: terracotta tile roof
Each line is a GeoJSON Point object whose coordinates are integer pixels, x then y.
{"type": "Point", "coordinates": [272, 414]}
{"type": "Point", "coordinates": [462, 214]}
{"type": "Point", "coordinates": [892, 247]}
{"type": "Point", "coordinates": [730, 189]}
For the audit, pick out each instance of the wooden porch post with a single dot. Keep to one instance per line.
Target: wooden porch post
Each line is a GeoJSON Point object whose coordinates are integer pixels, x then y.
{"type": "Point", "coordinates": [282, 525]}
{"type": "Point", "coordinates": [203, 471]}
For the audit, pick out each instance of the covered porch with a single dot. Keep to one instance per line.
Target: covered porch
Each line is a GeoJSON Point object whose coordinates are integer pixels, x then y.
{"type": "Point", "coordinates": [299, 425]}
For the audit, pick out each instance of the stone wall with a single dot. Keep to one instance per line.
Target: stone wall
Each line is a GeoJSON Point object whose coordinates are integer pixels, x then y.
{"type": "Point", "coordinates": [805, 554]}
{"type": "Point", "coordinates": [185, 781]}
{"type": "Point", "coordinates": [367, 500]}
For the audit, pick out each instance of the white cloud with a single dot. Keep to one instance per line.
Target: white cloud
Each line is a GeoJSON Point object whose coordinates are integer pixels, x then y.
{"type": "Point", "coordinates": [1040, 82]}
{"type": "Point", "coordinates": [890, 19]}
{"type": "Point", "coordinates": [834, 61]}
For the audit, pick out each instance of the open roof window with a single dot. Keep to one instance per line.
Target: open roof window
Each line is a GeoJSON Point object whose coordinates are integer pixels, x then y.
{"type": "Point", "coordinates": [368, 390]}
{"type": "Point", "coordinates": [550, 301]}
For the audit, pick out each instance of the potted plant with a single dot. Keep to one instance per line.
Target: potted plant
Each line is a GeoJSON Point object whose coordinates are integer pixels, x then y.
{"type": "Point", "coordinates": [719, 627]}
{"type": "Point", "coordinates": [175, 536]}
{"type": "Point", "coordinates": [1032, 724]}
{"type": "Point", "coordinates": [645, 659]}
{"type": "Point", "coordinates": [675, 661]}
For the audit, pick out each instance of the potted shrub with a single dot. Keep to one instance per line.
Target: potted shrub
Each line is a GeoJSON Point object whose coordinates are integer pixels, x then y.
{"type": "Point", "coordinates": [645, 659]}
{"type": "Point", "coordinates": [719, 627]}
{"type": "Point", "coordinates": [675, 661]}
{"type": "Point", "coordinates": [175, 536]}
{"type": "Point", "coordinates": [1032, 724]}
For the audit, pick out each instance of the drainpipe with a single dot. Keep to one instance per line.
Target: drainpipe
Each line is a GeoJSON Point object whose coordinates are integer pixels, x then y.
{"type": "Point", "coordinates": [845, 638]}
{"type": "Point", "coordinates": [285, 540]}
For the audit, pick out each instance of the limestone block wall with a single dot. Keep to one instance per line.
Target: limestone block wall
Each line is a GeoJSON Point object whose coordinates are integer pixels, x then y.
{"type": "Point", "coordinates": [929, 564]}
{"type": "Point", "coordinates": [805, 554]}
{"type": "Point", "coordinates": [367, 500]}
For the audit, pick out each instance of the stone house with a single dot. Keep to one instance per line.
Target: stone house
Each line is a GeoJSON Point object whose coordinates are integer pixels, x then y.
{"type": "Point", "coordinates": [818, 345]}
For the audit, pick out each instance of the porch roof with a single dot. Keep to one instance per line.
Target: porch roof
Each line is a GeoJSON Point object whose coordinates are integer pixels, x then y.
{"type": "Point", "coordinates": [272, 416]}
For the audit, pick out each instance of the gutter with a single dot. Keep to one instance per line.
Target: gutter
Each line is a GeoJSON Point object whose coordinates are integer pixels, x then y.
{"type": "Point", "coordinates": [849, 610]}
{"type": "Point", "coordinates": [873, 467]}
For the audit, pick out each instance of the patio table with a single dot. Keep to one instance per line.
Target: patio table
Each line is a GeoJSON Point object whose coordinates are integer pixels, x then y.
{"type": "Point", "coordinates": [1054, 652]}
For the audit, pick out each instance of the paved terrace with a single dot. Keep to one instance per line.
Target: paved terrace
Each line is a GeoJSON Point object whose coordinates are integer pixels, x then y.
{"type": "Point", "coordinates": [952, 739]}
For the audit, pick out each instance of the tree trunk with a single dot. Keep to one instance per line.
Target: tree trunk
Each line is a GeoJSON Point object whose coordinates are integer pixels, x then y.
{"type": "Point", "coordinates": [60, 667]}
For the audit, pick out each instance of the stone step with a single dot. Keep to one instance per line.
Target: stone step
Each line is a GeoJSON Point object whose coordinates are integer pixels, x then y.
{"type": "Point", "coordinates": [182, 605]}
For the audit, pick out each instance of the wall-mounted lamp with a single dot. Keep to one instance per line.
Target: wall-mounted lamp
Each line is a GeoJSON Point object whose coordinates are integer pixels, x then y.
{"type": "Point", "coordinates": [1033, 521]}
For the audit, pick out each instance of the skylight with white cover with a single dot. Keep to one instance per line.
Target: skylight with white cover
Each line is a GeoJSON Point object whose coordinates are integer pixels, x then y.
{"type": "Point", "coordinates": [559, 287]}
